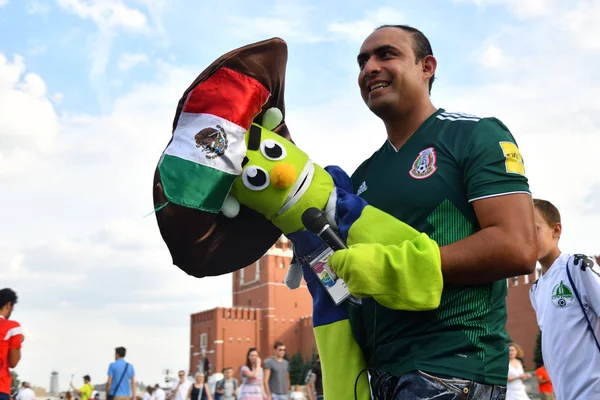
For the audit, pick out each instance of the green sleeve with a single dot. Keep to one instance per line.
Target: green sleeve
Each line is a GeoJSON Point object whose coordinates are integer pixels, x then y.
{"type": "Point", "coordinates": [492, 164]}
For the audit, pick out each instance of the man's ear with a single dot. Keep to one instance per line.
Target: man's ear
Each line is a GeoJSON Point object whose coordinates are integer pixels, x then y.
{"type": "Point", "coordinates": [429, 64]}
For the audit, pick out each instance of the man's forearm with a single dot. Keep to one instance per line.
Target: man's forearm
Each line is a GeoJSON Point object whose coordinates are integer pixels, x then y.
{"type": "Point", "coordinates": [488, 255]}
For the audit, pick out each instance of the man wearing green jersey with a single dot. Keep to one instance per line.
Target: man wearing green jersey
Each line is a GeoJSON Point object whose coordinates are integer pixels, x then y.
{"type": "Point", "coordinates": [461, 180]}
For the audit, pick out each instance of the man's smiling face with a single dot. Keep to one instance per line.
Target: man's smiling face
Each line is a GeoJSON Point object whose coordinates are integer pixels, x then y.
{"type": "Point", "coordinates": [390, 79]}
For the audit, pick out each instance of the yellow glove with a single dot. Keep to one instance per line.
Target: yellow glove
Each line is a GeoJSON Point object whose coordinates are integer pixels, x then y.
{"type": "Point", "coordinates": [391, 262]}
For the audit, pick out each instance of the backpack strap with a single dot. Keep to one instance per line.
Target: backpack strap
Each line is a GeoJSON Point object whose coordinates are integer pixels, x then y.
{"type": "Point", "coordinates": [580, 303]}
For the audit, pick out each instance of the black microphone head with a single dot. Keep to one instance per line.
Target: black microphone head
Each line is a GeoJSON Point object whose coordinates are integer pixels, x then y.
{"type": "Point", "coordinates": [314, 219]}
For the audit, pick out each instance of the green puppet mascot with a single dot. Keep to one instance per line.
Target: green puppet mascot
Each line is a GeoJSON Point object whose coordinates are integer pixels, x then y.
{"type": "Point", "coordinates": [226, 161]}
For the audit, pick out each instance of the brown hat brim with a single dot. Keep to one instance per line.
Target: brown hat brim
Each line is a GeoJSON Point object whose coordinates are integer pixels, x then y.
{"type": "Point", "coordinates": [206, 244]}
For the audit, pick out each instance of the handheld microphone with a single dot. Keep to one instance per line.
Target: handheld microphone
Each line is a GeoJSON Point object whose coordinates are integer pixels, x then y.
{"type": "Point", "coordinates": [315, 221]}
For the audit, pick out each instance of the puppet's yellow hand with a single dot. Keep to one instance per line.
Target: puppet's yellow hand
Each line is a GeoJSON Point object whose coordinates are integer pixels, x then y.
{"type": "Point", "coordinates": [390, 261]}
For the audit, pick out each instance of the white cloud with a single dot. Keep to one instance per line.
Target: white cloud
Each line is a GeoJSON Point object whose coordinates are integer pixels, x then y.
{"type": "Point", "coordinates": [37, 49]}
{"type": "Point", "coordinates": [57, 98]}
{"type": "Point", "coordinates": [3, 3]}
{"type": "Point", "coordinates": [28, 123]}
{"type": "Point", "coordinates": [79, 249]}
{"type": "Point", "coordinates": [358, 30]}
{"type": "Point", "coordinates": [582, 24]}
{"type": "Point", "coordinates": [521, 8]}
{"type": "Point", "coordinates": [107, 14]}
{"type": "Point", "coordinates": [279, 22]}
{"type": "Point", "coordinates": [492, 57]}
{"type": "Point", "coordinates": [128, 61]}
{"type": "Point", "coordinates": [36, 7]}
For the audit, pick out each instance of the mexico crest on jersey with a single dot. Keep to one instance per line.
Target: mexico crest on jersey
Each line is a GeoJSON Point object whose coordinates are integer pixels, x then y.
{"type": "Point", "coordinates": [425, 164]}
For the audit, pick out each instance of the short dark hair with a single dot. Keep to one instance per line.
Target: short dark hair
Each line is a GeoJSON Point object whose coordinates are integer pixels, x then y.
{"type": "Point", "coordinates": [121, 351]}
{"type": "Point", "coordinates": [226, 369]}
{"type": "Point", "coordinates": [549, 212]}
{"type": "Point", "coordinates": [421, 45]}
{"type": "Point", "coordinates": [7, 295]}
{"type": "Point", "coordinates": [87, 378]}
{"type": "Point", "coordinates": [278, 343]}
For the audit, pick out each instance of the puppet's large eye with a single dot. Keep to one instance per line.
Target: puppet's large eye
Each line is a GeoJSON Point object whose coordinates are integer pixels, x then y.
{"type": "Point", "coordinates": [272, 150]}
{"type": "Point", "coordinates": [255, 178]}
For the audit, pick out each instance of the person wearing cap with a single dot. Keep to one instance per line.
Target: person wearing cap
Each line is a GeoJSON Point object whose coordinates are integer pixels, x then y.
{"type": "Point", "coordinates": [85, 392]}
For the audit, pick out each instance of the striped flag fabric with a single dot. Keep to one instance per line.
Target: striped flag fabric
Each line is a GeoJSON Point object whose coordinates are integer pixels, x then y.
{"type": "Point", "coordinates": [204, 157]}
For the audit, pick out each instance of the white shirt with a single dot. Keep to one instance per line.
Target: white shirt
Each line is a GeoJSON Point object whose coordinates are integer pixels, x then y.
{"type": "Point", "coordinates": [181, 393]}
{"type": "Point", "coordinates": [158, 394]}
{"type": "Point", "coordinates": [25, 394]}
{"type": "Point", "coordinates": [571, 356]}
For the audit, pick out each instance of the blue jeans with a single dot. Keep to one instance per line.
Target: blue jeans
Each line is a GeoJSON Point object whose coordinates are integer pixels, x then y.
{"type": "Point", "coordinates": [4, 396]}
{"type": "Point", "coordinates": [419, 385]}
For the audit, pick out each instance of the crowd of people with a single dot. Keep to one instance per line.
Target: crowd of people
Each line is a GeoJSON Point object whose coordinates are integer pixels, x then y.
{"type": "Point", "coordinates": [268, 380]}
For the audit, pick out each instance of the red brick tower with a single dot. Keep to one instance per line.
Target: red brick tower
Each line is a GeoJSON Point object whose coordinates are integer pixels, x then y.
{"type": "Point", "coordinates": [264, 310]}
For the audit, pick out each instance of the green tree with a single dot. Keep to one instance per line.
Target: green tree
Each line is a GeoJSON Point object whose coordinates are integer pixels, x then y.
{"type": "Point", "coordinates": [537, 351]}
{"type": "Point", "coordinates": [296, 368]}
{"type": "Point", "coordinates": [14, 386]}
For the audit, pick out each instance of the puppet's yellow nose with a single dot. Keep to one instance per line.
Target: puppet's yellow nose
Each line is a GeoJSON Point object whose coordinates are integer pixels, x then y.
{"type": "Point", "coordinates": [283, 175]}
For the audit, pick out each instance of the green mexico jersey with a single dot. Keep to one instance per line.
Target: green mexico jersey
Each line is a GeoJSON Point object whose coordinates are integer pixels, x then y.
{"type": "Point", "coordinates": [452, 160]}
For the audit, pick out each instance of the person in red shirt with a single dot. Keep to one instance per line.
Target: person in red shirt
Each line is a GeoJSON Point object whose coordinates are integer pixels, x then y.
{"type": "Point", "coordinates": [11, 337]}
{"type": "Point", "coordinates": [544, 384]}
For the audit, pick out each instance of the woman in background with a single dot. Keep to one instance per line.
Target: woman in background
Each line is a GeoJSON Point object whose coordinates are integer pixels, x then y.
{"type": "Point", "coordinates": [515, 389]}
{"type": "Point", "coordinates": [252, 378]}
{"type": "Point", "coordinates": [199, 390]}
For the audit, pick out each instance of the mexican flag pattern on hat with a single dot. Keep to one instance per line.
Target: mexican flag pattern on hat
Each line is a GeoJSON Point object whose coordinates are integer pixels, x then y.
{"type": "Point", "coordinates": [204, 157]}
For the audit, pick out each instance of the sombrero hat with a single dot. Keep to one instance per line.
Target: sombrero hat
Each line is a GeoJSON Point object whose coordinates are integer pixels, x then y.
{"type": "Point", "coordinates": [200, 162]}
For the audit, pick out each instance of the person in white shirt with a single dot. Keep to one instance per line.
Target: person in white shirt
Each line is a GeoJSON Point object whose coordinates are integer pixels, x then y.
{"type": "Point", "coordinates": [25, 393]}
{"type": "Point", "coordinates": [297, 394]}
{"type": "Point", "coordinates": [159, 393]}
{"type": "Point", "coordinates": [180, 388]}
{"type": "Point", "coordinates": [570, 337]}
{"type": "Point", "coordinates": [148, 395]}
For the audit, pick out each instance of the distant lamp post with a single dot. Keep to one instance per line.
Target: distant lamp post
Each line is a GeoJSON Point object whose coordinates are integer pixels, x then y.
{"type": "Point", "coordinates": [203, 364]}
{"type": "Point", "coordinates": [168, 379]}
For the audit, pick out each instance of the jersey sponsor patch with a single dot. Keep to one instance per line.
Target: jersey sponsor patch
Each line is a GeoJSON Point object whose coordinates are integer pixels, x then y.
{"type": "Point", "coordinates": [562, 295]}
{"type": "Point", "coordinates": [514, 160]}
{"type": "Point", "coordinates": [424, 165]}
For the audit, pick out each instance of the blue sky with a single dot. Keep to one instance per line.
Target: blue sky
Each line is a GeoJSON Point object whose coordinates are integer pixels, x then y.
{"type": "Point", "coordinates": [88, 90]}
{"type": "Point", "coordinates": [86, 58]}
